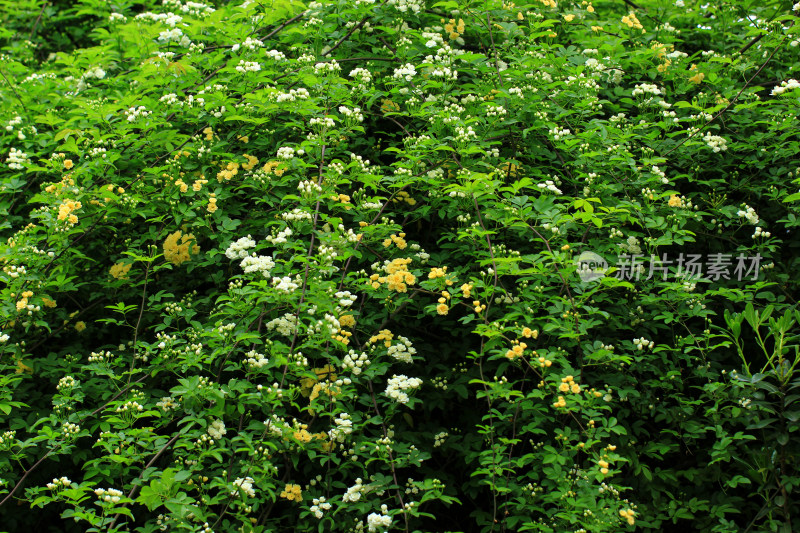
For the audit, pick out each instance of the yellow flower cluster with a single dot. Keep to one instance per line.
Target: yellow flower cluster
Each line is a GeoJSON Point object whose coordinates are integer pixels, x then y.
{"type": "Point", "coordinates": [478, 306]}
{"type": "Point", "coordinates": [628, 515]}
{"type": "Point", "coordinates": [347, 321]}
{"type": "Point", "coordinates": [23, 303]}
{"type": "Point", "coordinates": [272, 167]}
{"type": "Point", "coordinates": [398, 240]}
{"type": "Point", "coordinates": [228, 172]}
{"type": "Point", "coordinates": [48, 302]}
{"type": "Point", "coordinates": [403, 196]}
{"type": "Point", "coordinates": [589, 8]}
{"type": "Point", "coordinates": [569, 18]}
{"type": "Point", "coordinates": [442, 308]}
{"type": "Point", "coordinates": [388, 106]}
{"type": "Point", "coordinates": [631, 21]}
{"type": "Point", "coordinates": [548, 3]}
{"type": "Point", "coordinates": [212, 203]}
{"type": "Point", "coordinates": [55, 188]}
{"type": "Point", "coordinates": [453, 29]}
{"type": "Point", "coordinates": [437, 272]}
{"type": "Point", "coordinates": [209, 133]}
{"type": "Point", "coordinates": [675, 201]}
{"type": "Point", "coordinates": [544, 362]}
{"type": "Point", "coordinates": [68, 164]}
{"type": "Point", "coordinates": [65, 211]}
{"type": "Point", "coordinates": [398, 277]}
{"type": "Point", "coordinates": [508, 169]}
{"type": "Point", "coordinates": [252, 161]}
{"type": "Point", "coordinates": [568, 385]}
{"type": "Point", "coordinates": [198, 183]}
{"type": "Point", "coordinates": [120, 270]}
{"type": "Point", "coordinates": [292, 493]}
{"type": "Point", "coordinates": [697, 78]}
{"type": "Point", "coordinates": [178, 248]}
{"type": "Point", "coordinates": [529, 333]}
{"type": "Point", "coordinates": [342, 336]}
{"type": "Point", "coordinates": [561, 402]}
{"type": "Point", "coordinates": [516, 350]}
{"type": "Point", "coordinates": [383, 335]}
{"type": "Point", "coordinates": [466, 289]}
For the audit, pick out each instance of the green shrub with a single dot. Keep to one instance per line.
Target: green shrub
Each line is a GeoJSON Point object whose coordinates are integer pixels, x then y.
{"type": "Point", "coordinates": [400, 265]}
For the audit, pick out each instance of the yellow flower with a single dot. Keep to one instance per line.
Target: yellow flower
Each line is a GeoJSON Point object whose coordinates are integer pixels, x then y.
{"type": "Point", "coordinates": [347, 321]}
{"type": "Point", "coordinates": [48, 302]}
{"type": "Point", "coordinates": [675, 201]}
{"type": "Point", "coordinates": [178, 248]}
{"type": "Point", "coordinates": [80, 326]}
{"type": "Point", "coordinates": [292, 493]}
{"type": "Point", "coordinates": [212, 205]}
{"type": "Point", "coordinates": [590, 9]}
{"type": "Point", "coordinates": [120, 270]}
{"type": "Point", "coordinates": [520, 16]}
{"type": "Point", "coordinates": [442, 309]}
{"type": "Point", "coordinates": [697, 78]}
{"type": "Point", "coordinates": [68, 164]}
{"type": "Point", "coordinates": [575, 388]}
{"type": "Point", "coordinates": [569, 18]}
{"type": "Point", "coordinates": [209, 134]}
{"type": "Point", "coordinates": [564, 387]}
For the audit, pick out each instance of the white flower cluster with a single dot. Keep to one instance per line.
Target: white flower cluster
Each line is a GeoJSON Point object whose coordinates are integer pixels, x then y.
{"type": "Point", "coordinates": [70, 428]}
{"type": "Point", "coordinates": [249, 43]}
{"type": "Point", "coordinates": [117, 17]}
{"type": "Point", "coordinates": [643, 343]}
{"type": "Point", "coordinates": [660, 173]}
{"type": "Point", "coordinates": [759, 232]}
{"type": "Point", "coordinates": [353, 493]}
{"type": "Point", "coordinates": [715, 142]}
{"type": "Point", "coordinates": [257, 263]}
{"type": "Point", "coordinates": [354, 362]}
{"type": "Point", "coordinates": [324, 67]}
{"type": "Point", "coordinates": [170, 19]}
{"type": "Point", "coordinates": [550, 186]}
{"type": "Point", "coordinates": [59, 482]}
{"type": "Point", "coordinates": [496, 111]}
{"type": "Point", "coordinates": [292, 95]}
{"type": "Point", "coordinates": [465, 134]}
{"type": "Point", "coordinates": [275, 55]}
{"type": "Point", "coordinates": [346, 299]}
{"type": "Point", "coordinates": [354, 114]}
{"type": "Point", "coordinates": [285, 325]}
{"type": "Point", "coordinates": [3, 339]}
{"type": "Point", "coordinates": [247, 66]}
{"type": "Point", "coordinates": [558, 134]}
{"type": "Point", "coordinates": [296, 215]}
{"type": "Point", "coordinates": [16, 121]}
{"type": "Point", "coordinates": [109, 495]}
{"type": "Point", "coordinates": [191, 101]}
{"type": "Point", "coordinates": [404, 6]}
{"type": "Point", "coordinates": [749, 213]}
{"type": "Point", "coordinates": [403, 350]}
{"type": "Point", "coordinates": [217, 429]}
{"type": "Point", "coordinates": [308, 188]}
{"type": "Point", "coordinates": [16, 158]}
{"type": "Point", "coordinates": [287, 152]}
{"type": "Point", "coordinates": [134, 113]}
{"type": "Point", "coordinates": [377, 521]}
{"type": "Point", "coordinates": [284, 284]}
{"type": "Point", "coordinates": [439, 438]}
{"type": "Point", "coordinates": [406, 72]}
{"type": "Point", "coordinates": [67, 382]}
{"type": "Point", "coordinates": [324, 122]}
{"type": "Point", "coordinates": [255, 359]}
{"type": "Point", "coordinates": [398, 385]}
{"type": "Point", "coordinates": [196, 9]}
{"type": "Point", "coordinates": [246, 486]}
{"type": "Point", "coordinates": [788, 85]}
{"type": "Point", "coordinates": [174, 35]}
{"type": "Point", "coordinates": [319, 506]}
{"type": "Point", "coordinates": [344, 427]}
{"type": "Point", "coordinates": [646, 88]}
{"type": "Point", "coordinates": [362, 77]}
{"type": "Point", "coordinates": [281, 237]}
{"type": "Point", "coordinates": [239, 249]}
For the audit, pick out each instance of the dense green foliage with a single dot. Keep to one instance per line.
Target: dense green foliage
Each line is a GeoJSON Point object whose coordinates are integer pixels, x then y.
{"type": "Point", "coordinates": [275, 266]}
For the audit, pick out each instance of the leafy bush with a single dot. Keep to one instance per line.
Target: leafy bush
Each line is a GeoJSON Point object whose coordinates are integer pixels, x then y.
{"type": "Point", "coordinates": [399, 266]}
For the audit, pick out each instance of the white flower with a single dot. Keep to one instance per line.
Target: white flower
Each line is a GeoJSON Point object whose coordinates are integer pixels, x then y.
{"type": "Point", "coordinates": [217, 429]}
{"type": "Point", "coordinates": [246, 485]}
{"type": "Point", "coordinates": [398, 385]}
{"type": "Point", "coordinates": [238, 249]}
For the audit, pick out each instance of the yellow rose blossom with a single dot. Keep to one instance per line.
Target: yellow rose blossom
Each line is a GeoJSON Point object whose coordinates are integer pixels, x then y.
{"type": "Point", "coordinates": [120, 270]}
{"type": "Point", "coordinates": [80, 326]}
{"type": "Point", "coordinates": [212, 204]}
{"type": "Point", "coordinates": [569, 18]}
{"type": "Point", "coordinates": [68, 164]}
{"type": "Point", "coordinates": [292, 493]}
{"type": "Point", "coordinates": [442, 309]}
{"type": "Point", "coordinates": [178, 248]}
{"type": "Point", "coordinates": [347, 321]}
